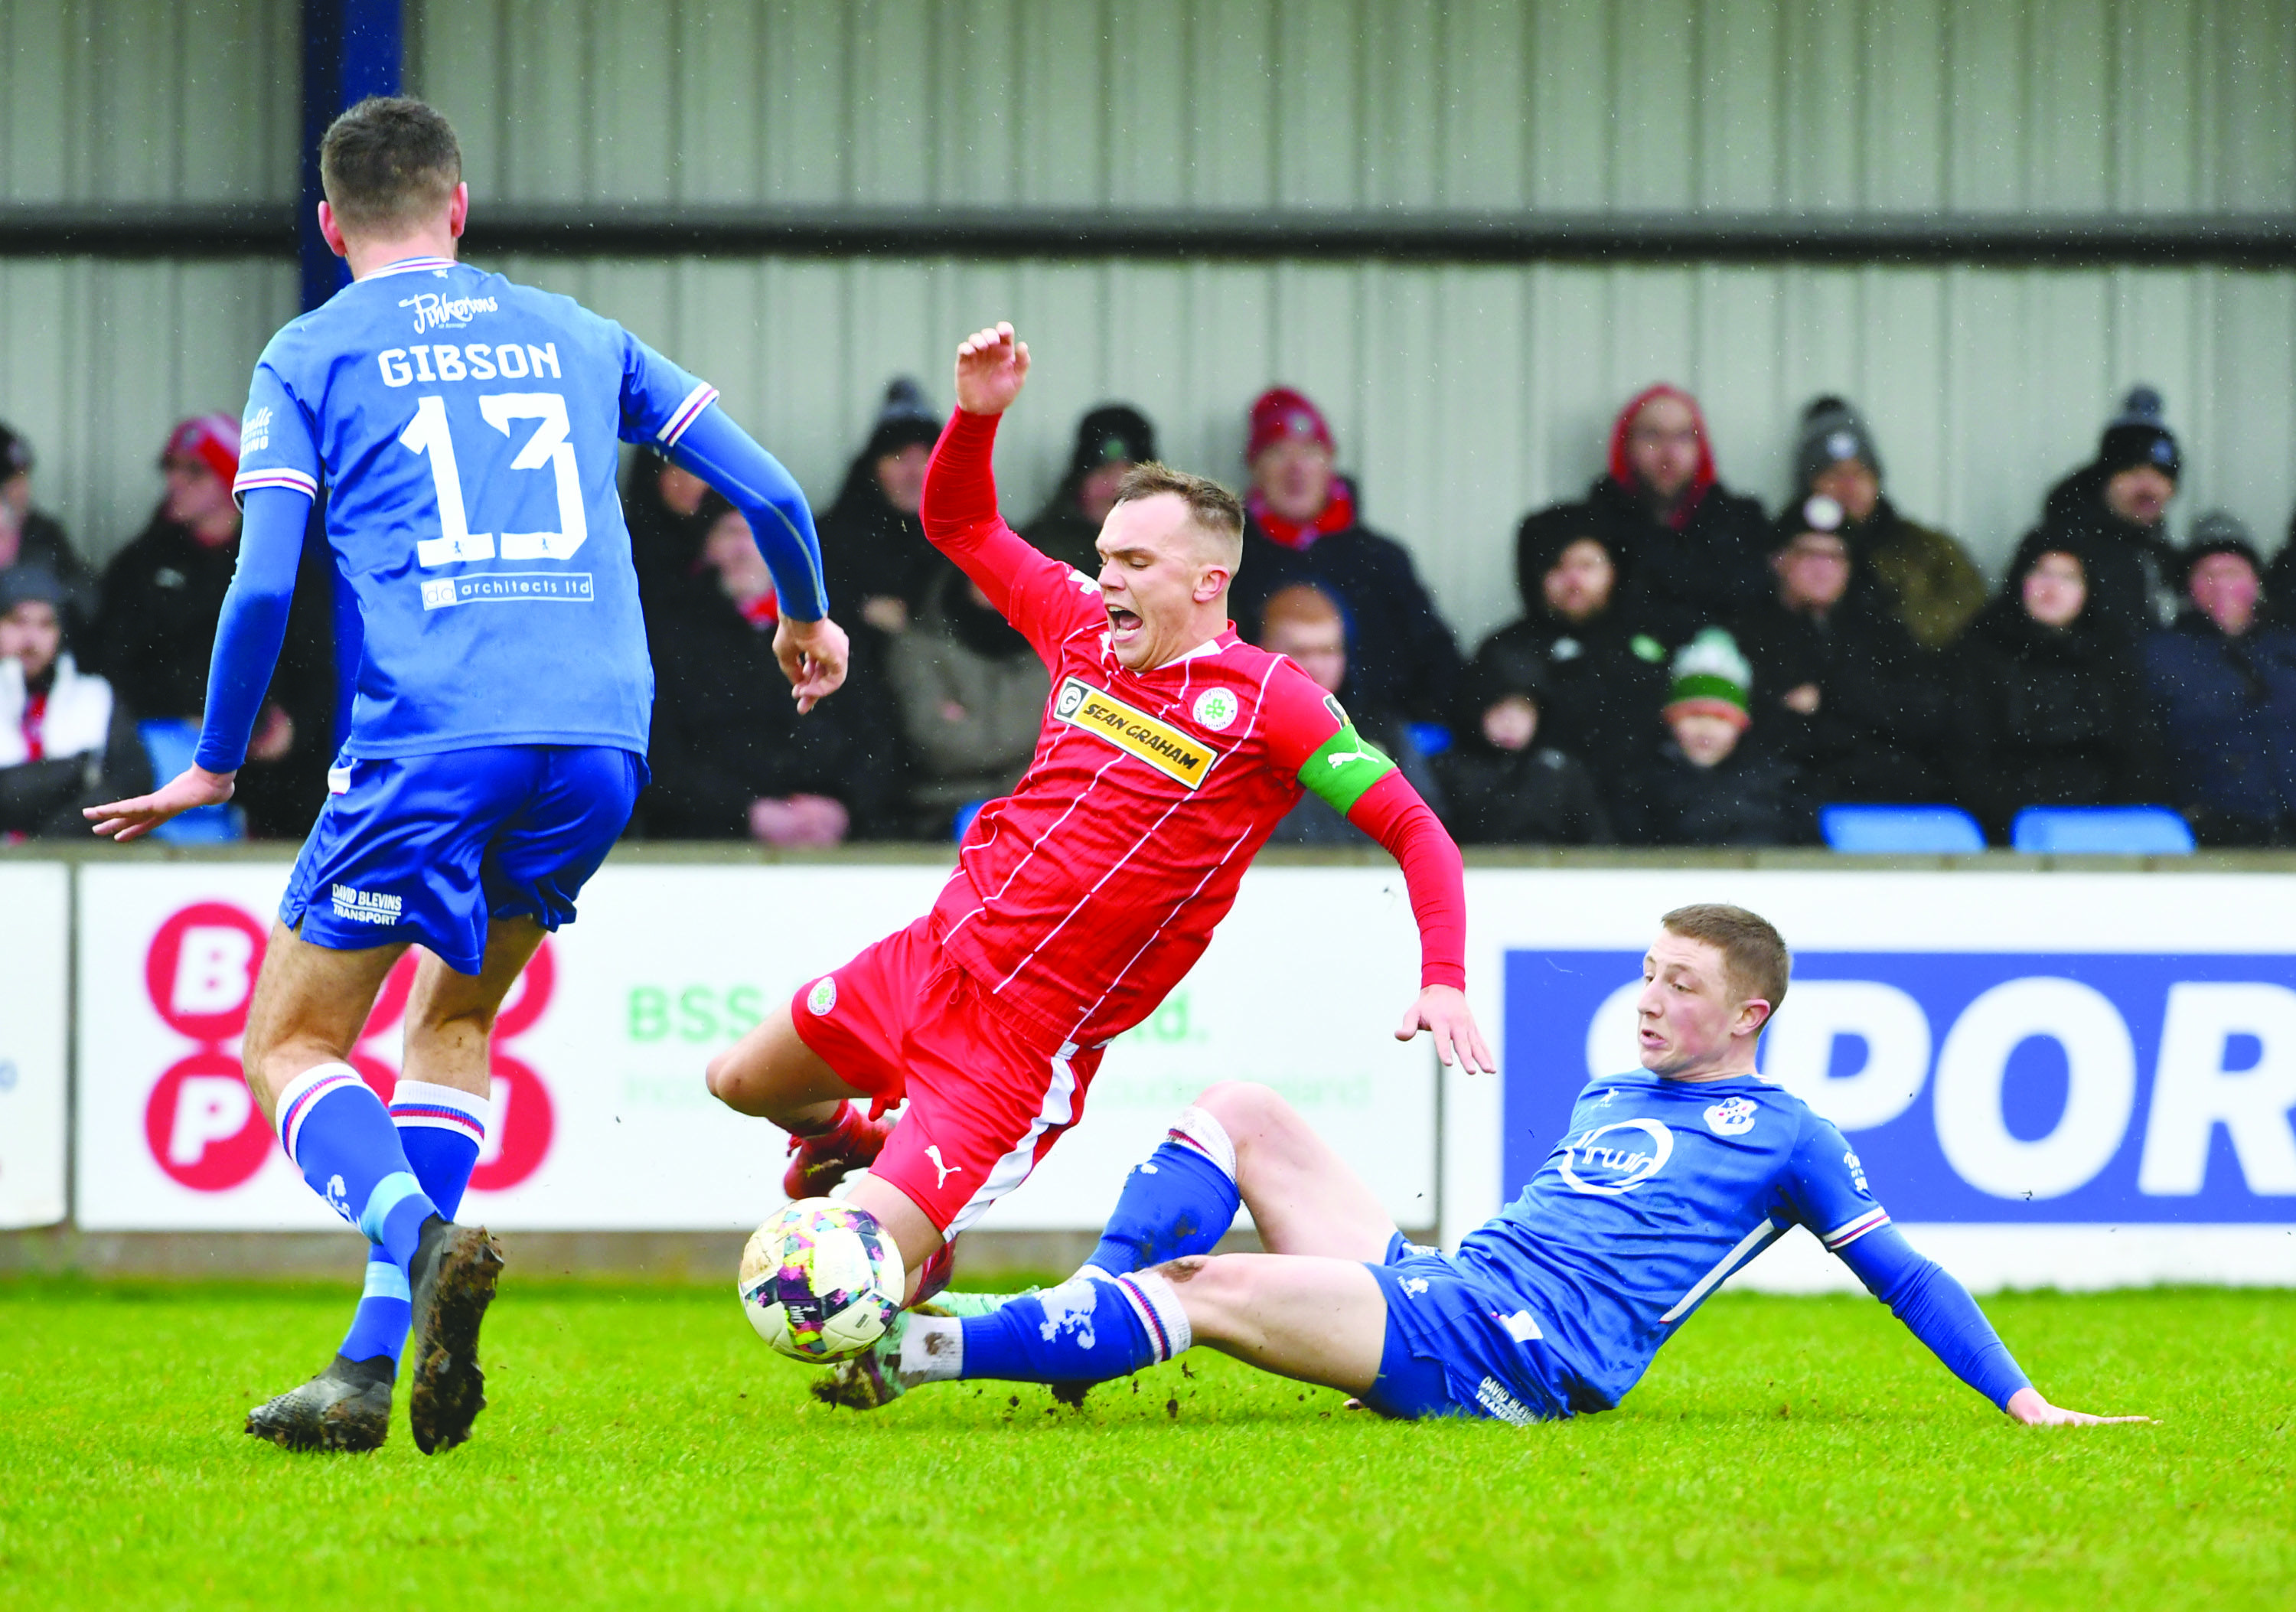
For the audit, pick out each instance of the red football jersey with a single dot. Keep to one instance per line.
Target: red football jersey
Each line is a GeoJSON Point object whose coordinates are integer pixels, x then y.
{"type": "Point", "coordinates": [1083, 897]}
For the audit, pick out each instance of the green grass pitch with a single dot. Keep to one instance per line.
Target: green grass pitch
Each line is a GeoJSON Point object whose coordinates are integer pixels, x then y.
{"type": "Point", "coordinates": [643, 1449]}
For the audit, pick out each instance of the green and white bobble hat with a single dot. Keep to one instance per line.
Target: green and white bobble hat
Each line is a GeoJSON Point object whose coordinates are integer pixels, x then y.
{"type": "Point", "coordinates": [1710, 679]}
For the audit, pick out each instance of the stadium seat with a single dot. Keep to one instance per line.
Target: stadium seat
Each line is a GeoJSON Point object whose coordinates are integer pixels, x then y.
{"type": "Point", "coordinates": [1901, 830]}
{"type": "Point", "coordinates": [2101, 831]}
{"type": "Point", "coordinates": [170, 743]}
{"type": "Point", "coordinates": [1432, 738]}
{"type": "Point", "coordinates": [964, 816]}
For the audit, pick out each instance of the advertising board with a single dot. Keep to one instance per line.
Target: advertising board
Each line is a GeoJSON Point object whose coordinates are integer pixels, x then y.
{"type": "Point", "coordinates": [35, 1012]}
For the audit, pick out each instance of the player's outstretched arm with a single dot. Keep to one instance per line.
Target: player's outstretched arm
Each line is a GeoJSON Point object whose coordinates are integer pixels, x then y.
{"type": "Point", "coordinates": [2027, 1406]}
{"type": "Point", "coordinates": [248, 637]}
{"type": "Point", "coordinates": [811, 648]}
{"type": "Point", "coordinates": [992, 366]}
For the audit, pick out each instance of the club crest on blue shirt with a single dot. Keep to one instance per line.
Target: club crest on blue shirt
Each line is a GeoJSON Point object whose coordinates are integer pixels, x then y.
{"type": "Point", "coordinates": [1732, 1117]}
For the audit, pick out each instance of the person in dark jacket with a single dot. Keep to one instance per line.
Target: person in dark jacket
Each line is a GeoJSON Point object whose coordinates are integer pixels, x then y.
{"type": "Point", "coordinates": [1693, 549]}
{"type": "Point", "coordinates": [162, 597]}
{"type": "Point", "coordinates": [1703, 784]}
{"type": "Point", "coordinates": [971, 693]}
{"type": "Point", "coordinates": [2224, 682]}
{"type": "Point", "coordinates": [1501, 785]}
{"type": "Point", "coordinates": [1920, 575]}
{"type": "Point", "coordinates": [1110, 440]}
{"type": "Point", "coordinates": [1602, 672]}
{"type": "Point", "coordinates": [1305, 526]}
{"type": "Point", "coordinates": [33, 536]}
{"type": "Point", "coordinates": [731, 757]}
{"type": "Point", "coordinates": [2113, 513]}
{"type": "Point", "coordinates": [661, 505]}
{"type": "Point", "coordinates": [874, 553]}
{"type": "Point", "coordinates": [65, 740]}
{"type": "Point", "coordinates": [2048, 700]}
{"type": "Point", "coordinates": [1303, 622]}
{"type": "Point", "coordinates": [1842, 691]}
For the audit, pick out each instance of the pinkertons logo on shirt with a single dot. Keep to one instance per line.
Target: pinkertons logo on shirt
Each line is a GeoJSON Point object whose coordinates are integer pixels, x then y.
{"type": "Point", "coordinates": [1135, 732]}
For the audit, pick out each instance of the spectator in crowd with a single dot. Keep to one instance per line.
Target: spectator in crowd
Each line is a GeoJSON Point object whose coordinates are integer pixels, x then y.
{"type": "Point", "coordinates": [1502, 786]}
{"type": "Point", "coordinates": [33, 536]}
{"type": "Point", "coordinates": [1705, 785]}
{"type": "Point", "coordinates": [1844, 694]}
{"type": "Point", "coordinates": [2280, 582]}
{"type": "Point", "coordinates": [1600, 673]}
{"type": "Point", "coordinates": [2112, 515]}
{"type": "Point", "coordinates": [65, 741]}
{"type": "Point", "coordinates": [661, 505]}
{"type": "Point", "coordinates": [162, 596]}
{"type": "Point", "coordinates": [1110, 440]}
{"type": "Point", "coordinates": [1305, 526]}
{"type": "Point", "coordinates": [2049, 699]}
{"type": "Point", "coordinates": [1303, 622]}
{"type": "Point", "coordinates": [2224, 683]}
{"type": "Point", "coordinates": [972, 695]}
{"type": "Point", "coordinates": [1692, 548]}
{"type": "Point", "coordinates": [1925, 578]}
{"type": "Point", "coordinates": [872, 545]}
{"type": "Point", "coordinates": [732, 758]}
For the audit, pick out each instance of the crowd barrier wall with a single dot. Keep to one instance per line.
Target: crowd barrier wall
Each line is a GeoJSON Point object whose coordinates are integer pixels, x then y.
{"type": "Point", "coordinates": [2063, 1078]}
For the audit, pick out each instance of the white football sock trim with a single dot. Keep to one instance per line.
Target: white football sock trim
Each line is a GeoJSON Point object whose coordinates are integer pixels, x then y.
{"type": "Point", "coordinates": [1167, 1325]}
{"type": "Point", "coordinates": [932, 1350]}
{"type": "Point", "coordinates": [1207, 1134]}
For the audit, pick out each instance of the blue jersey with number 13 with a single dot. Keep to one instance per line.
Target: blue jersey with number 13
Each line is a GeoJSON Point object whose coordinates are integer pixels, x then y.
{"type": "Point", "coordinates": [466, 429]}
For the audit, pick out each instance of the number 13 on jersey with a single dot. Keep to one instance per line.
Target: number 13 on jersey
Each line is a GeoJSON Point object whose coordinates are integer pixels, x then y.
{"type": "Point", "coordinates": [428, 434]}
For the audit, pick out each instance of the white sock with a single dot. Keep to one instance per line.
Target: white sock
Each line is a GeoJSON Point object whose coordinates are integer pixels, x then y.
{"type": "Point", "coordinates": [1160, 1310]}
{"type": "Point", "coordinates": [1207, 1134]}
{"type": "Point", "coordinates": [932, 1350]}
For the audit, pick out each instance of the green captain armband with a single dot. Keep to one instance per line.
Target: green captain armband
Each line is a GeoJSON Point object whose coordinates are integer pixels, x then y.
{"type": "Point", "coordinates": [1343, 766]}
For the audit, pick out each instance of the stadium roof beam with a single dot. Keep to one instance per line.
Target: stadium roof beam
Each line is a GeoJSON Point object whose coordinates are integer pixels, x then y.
{"type": "Point", "coordinates": [2259, 241]}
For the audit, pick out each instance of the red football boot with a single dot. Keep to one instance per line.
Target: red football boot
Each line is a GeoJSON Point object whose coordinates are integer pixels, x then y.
{"type": "Point", "coordinates": [827, 1157]}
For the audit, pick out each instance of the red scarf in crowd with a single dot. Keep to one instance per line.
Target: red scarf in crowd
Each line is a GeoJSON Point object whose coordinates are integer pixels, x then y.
{"type": "Point", "coordinates": [1338, 513]}
{"type": "Point", "coordinates": [762, 612]}
{"type": "Point", "coordinates": [36, 718]}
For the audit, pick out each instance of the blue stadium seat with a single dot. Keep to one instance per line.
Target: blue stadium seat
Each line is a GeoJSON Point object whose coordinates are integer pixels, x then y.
{"type": "Point", "coordinates": [2101, 831]}
{"type": "Point", "coordinates": [1432, 738]}
{"type": "Point", "coordinates": [964, 816]}
{"type": "Point", "coordinates": [1901, 830]}
{"type": "Point", "coordinates": [170, 743]}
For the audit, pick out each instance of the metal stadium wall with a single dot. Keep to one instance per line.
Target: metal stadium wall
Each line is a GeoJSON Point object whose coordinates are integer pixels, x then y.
{"type": "Point", "coordinates": [1981, 221]}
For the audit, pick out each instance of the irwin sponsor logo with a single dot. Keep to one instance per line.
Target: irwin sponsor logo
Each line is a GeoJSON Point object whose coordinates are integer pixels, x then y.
{"type": "Point", "coordinates": [1167, 749]}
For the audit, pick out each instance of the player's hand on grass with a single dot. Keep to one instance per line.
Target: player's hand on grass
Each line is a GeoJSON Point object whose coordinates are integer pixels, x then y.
{"type": "Point", "coordinates": [1442, 1011]}
{"type": "Point", "coordinates": [991, 368]}
{"type": "Point", "coordinates": [132, 819]}
{"type": "Point", "coordinates": [2027, 1406]}
{"type": "Point", "coordinates": [813, 657]}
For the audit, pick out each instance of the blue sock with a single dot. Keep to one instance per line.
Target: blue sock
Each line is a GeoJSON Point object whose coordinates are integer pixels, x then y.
{"type": "Point", "coordinates": [1181, 1201]}
{"type": "Point", "coordinates": [442, 1131]}
{"type": "Point", "coordinates": [341, 1139]}
{"type": "Point", "coordinates": [1085, 1331]}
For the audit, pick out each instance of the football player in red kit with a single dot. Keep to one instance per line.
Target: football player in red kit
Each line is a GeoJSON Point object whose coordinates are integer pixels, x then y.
{"type": "Point", "coordinates": [1170, 749]}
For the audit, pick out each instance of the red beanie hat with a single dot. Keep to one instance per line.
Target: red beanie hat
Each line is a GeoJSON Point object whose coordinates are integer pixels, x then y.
{"type": "Point", "coordinates": [213, 439]}
{"type": "Point", "coordinates": [1280, 412]}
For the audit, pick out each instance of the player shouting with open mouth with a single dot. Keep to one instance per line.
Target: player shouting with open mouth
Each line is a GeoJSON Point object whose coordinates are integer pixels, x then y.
{"type": "Point", "coordinates": [1171, 750]}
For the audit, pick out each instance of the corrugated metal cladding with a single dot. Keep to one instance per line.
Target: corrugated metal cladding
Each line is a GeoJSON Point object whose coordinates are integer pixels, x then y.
{"type": "Point", "coordinates": [1461, 395]}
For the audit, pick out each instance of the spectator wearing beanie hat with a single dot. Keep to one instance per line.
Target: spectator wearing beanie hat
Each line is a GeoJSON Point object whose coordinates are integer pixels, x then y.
{"type": "Point", "coordinates": [33, 536]}
{"type": "Point", "coordinates": [1693, 547]}
{"type": "Point", "coordinates": [1501, 784]}
{"type": "Point", "coordinates": [2224, 682]}
{"type": "Point", "coordinates": [162, 596]}
{"type": "Point", "coordinates": [1303, 526]}
{"type": "Point", "coordinates": [2113, 514]}
{"type": "Point", "coordinates": [1109, 441]}
{"type": "Point", "coordinates": [2048, 700]}
{"type": "Point", "coordinates": [65, 741]}
{"type": "Point", "coordinates": [1846, 697]}
{"type": "Point", "coordinates": [872, 545]}
{"type": "Point", "coordinates": [1600, 672]}
{"type": "Point", "coordinates": [1926, 579]}
{"type": "Point", "coordinates": [1703, 784]}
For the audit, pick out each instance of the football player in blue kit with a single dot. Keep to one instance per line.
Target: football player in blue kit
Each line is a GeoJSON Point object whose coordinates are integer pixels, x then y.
{"type": "Point", "coordinates": [1668, 1180]}
{"type": "Point", "coordinates": [467, 431]}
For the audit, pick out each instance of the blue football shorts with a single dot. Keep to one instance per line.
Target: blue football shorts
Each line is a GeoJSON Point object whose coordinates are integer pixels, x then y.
{"type": "Point", "coordinates": [428, 849]}
{"type": "Point", "coordinates": [1458, 1346]}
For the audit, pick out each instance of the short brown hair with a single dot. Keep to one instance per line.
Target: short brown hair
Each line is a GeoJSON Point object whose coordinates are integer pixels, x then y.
{"type": "Point", "coordinates": [1300, 604]}
{"type": "Point", "coordinates": [1217, 512]}
{"type": "Point", "coordinates": [1755, 962]}
{"type": "Point", "coordinates": [388, 161]}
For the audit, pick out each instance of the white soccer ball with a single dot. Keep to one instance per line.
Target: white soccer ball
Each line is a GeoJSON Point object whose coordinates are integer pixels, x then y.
{"type": "Point", "coordinates": [820, 1280]}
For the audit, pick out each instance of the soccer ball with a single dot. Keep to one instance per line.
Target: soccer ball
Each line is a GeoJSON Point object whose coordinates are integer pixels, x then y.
{"type": "Point", "coordinates": [821, 1281]}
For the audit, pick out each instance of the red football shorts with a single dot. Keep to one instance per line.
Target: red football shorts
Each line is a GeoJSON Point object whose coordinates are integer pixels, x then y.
{"type": "Point", "coordinates": [986, 1100]}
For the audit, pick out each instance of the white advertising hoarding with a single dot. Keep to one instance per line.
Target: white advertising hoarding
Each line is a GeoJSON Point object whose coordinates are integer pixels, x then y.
{"type": "Point", "coordinates": [35, 1012]}
{"type": "Point", "coordinates": [2072, 1079]}
{"type": "Point", "coordinates": [602, 1121]}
